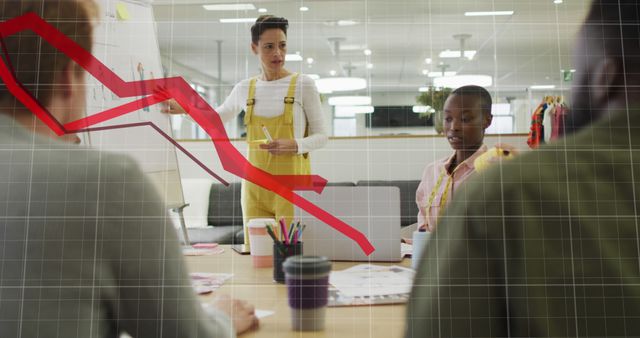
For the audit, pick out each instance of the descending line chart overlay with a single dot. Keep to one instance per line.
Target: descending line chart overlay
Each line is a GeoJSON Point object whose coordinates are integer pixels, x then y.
{"type": "Point", "coordinates": [154, 91]}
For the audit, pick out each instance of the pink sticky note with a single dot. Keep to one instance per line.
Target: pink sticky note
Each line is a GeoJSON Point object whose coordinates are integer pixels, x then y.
{"type": "Point", "coordinates": [205, 245]}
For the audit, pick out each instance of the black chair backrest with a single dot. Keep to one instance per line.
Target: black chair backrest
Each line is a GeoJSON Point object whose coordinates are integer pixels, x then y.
{"type": "Point", "coordinates": [224, 205]}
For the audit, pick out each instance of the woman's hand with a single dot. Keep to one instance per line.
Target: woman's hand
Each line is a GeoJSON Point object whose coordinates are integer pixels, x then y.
{"type": "Point", "coordinates": [169, 106]}
{"type": "Point", "coordinates": [172, 107]}
{"type": "Point", "coordinates": [281, 147]}
{"type": "Point", "coordinates": [427, 227]}
{"type": "Point", "coordinates": [242, 314]}
{"type": "Point", "coordinates": [507, 149]}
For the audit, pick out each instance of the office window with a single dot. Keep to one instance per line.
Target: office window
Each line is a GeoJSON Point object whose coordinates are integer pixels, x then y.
{"type": "Point", "coordinates": [503, 121]}
{"type": "Point", "coordinates": [344, 126]}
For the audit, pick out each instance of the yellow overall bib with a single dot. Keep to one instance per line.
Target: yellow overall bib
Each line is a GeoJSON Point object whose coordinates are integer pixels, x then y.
{"type": "Point", "coordinates": [256, 201]}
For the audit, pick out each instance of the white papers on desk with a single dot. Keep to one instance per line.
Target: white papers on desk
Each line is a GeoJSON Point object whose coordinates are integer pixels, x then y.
{"type": "Point", "coordinates": [263, 313]}
{"type": "Point", "coordinates": [337, 299]}
{"type": "Point", "coordinates": [199, 251]}
{"type": "Point", "coordinates": [367, 280]}
{"type": "Point", "coordinates": [206, 282]}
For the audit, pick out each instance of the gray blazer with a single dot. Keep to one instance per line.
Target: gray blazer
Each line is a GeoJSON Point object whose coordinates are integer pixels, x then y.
{"type": "Point", "coordinates": [87, 249]}
{"type": "Point", "coordinates": [544, 245]}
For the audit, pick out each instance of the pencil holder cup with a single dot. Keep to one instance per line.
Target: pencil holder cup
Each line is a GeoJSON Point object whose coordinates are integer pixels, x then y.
{"type": "Point", "coordinates": [280, 253]}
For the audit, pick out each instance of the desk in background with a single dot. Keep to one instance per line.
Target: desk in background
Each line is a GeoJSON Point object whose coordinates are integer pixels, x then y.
{"type": "Point", "coordinates": [257, 287]}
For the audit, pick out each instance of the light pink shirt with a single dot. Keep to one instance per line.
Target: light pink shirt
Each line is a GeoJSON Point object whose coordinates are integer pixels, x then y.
{"type": "Point", "coordinates": [429, 180]}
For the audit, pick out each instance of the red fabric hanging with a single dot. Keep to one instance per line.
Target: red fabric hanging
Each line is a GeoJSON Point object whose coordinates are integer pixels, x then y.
{"type": "Point", "coordinates": [557, 126]}
{"type": "Point", "coordinates": [536, 134]}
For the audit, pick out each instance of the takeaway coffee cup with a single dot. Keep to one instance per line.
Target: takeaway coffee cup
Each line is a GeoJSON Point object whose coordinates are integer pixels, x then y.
{"type": "Point", "coordinates": [307, 279]}
{"type": "Point", "coordinates": [419, 243]}
{"type": "Point", "coordinates": [260, 243]}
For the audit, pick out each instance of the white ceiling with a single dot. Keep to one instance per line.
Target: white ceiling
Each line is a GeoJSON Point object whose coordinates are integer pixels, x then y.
{"type": "Point", "coordinates": [530, 47]}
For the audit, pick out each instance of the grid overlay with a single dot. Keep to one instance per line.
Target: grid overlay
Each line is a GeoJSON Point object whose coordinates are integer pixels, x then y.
{"type": "Point", "coordinates": [544, 245]}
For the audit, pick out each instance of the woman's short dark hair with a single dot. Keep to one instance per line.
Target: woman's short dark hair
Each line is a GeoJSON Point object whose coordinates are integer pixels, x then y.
{"type": "Point", "coordinates": [483, 94]}
{"type": "Point", "coordinates": [266, 22]}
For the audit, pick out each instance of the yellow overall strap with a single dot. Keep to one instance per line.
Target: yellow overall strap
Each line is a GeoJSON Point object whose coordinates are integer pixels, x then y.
{"type": "Point", "coordinates": [290, 99]}
{"type": "Point", "coordinates": [434, 191]}
{"type": "Point", "coordinates": [251, 102]}
{"type": "Point", "coordinates": [445, 194]}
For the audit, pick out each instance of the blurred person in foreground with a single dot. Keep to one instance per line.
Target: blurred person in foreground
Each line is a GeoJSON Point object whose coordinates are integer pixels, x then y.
{"type": "Point", "coordinates": [547, 244]}
{"type": "Point", "coordinates": [87, 247]}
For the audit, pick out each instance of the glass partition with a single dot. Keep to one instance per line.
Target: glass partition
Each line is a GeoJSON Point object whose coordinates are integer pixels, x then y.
{"type": "Point", "coordinates": [519, 50]}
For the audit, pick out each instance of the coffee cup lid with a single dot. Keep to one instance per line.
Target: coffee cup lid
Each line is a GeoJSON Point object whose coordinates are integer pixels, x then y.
{"type": "Point", "coordinates": [307, 265]}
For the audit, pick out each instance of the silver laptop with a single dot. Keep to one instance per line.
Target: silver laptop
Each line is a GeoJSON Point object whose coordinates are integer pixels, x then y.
{"type": "Point", "coordinates": [374, 211]}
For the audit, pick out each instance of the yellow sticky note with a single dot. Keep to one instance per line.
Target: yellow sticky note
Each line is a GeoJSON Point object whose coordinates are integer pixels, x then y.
{"type": "Point", "coordinates": [122, 12]}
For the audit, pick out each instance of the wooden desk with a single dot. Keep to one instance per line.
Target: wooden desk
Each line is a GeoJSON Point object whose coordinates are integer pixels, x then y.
{"type": "Point", "coordinates": [257, 287]}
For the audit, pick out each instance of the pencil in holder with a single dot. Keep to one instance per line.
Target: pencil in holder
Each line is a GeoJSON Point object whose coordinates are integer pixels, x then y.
{"type": "Point", "coordinates": [281, 252]}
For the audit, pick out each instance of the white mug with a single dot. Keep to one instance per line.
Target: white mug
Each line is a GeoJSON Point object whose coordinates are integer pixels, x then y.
{"type": "Point", "coordinates": [420, 240]}
{"type": "Point", "coordinates": [261, 244]}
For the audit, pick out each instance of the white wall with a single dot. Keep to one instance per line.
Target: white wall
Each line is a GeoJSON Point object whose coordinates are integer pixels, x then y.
{"type": "Point", "coordinates": [352, 159]}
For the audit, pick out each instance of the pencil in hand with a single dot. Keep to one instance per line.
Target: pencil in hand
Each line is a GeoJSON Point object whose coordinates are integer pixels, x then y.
{"type": "Point", "coordinates": [266, 134]}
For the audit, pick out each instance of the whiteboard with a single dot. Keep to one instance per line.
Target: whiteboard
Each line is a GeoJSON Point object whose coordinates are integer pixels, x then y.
{"type": "Point", "coordinates": [125, 41]}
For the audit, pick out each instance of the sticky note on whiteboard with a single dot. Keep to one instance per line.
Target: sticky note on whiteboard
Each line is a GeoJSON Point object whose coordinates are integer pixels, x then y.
{"type": "Point", "coordinates": [122, 12]}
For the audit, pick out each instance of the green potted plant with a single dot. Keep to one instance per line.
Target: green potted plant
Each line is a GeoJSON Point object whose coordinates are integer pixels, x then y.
{"type": "Point", "coordinates": [434, 98]}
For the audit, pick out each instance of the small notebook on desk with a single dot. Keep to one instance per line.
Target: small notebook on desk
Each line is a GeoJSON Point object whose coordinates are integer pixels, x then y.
{"type": "Point", "coordinates": [336, 299]}
{"type": "Point", "coordinates": [368, 284]}
{"type": "Point", "coordinates": [205, 282]}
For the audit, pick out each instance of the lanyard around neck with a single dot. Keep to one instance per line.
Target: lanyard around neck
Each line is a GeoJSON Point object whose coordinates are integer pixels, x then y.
{"type": "Point", "coordinates": [445, 194]}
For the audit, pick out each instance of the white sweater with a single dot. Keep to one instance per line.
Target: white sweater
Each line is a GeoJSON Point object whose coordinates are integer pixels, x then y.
{"type": "Point", "coordinates": [269, 96]}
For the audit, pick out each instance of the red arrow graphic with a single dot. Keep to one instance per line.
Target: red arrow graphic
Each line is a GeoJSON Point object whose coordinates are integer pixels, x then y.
{"type": "Point", "coordinates": [155, 91]}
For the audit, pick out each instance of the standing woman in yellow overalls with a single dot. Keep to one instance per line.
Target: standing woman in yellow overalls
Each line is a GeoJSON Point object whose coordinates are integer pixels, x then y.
{"type": "Point", "coordinates": [288, 106]}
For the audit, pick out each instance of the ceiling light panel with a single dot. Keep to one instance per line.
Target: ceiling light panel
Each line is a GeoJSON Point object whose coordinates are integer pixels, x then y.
{"type": "Point", "coordinates": [348, 111]}
{"type": "Point", "coordinates": [238, 20]}
{"type": "Point", "coordinates": [440, 74]}
{"type": "Point", "coordinates": [350, 101]}
{"type": "Point", "coordinates": [229, 7]}
{"type": "Point", "coordinates": [339, 84]}
{"type": "Point", "coordinates": [542, 87]}
{"type": "Point", "coordinates": [492, 13]}
{"type": "Point", "coordinates": [450, 54]}
{"type": "Point", "coordinates": [458, 81]}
